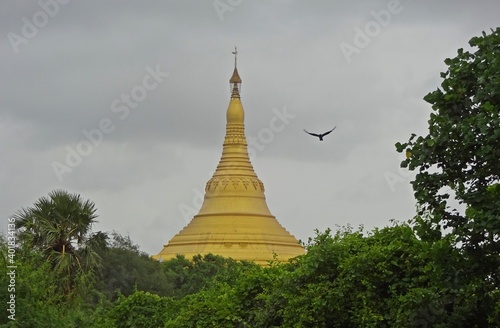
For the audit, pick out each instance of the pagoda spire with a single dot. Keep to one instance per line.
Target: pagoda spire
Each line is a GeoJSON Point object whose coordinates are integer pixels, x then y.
{"type": "Point", "coordinates": [234, 219]}
{"type": "Point", "coordinates": [235, 80]}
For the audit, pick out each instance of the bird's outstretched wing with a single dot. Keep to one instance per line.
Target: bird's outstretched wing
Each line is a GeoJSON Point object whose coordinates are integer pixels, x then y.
{"type": "Point", "coordinates": [313, 134]}
{"type": "Point", "coordinates": [324, 134]}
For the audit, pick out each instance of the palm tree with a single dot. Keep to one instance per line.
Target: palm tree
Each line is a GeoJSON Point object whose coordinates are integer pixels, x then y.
{"type": "Point", "coordinates": [60, 227]}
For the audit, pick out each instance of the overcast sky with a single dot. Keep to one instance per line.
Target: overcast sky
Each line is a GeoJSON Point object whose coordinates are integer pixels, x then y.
{"type": "Point", "coordinates": [124, 103]}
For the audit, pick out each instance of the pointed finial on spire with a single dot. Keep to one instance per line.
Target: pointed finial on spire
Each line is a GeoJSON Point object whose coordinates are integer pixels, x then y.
{"type": "Point", "coordinates": [235, 53]}
{"type": "Point", "coordinates": [235, 80]}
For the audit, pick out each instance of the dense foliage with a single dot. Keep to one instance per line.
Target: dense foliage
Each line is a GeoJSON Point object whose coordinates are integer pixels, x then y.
{"type": "Point", "coordinates": [125, 269]}
{"type": "Point", "coordinates": [457, 185]}
{"type": "Point", "coordinates": [384, 278]}
{"type": "Point", "coordinates": [459, 160]}
{"type": "Point", "coordinates": [60, 228]}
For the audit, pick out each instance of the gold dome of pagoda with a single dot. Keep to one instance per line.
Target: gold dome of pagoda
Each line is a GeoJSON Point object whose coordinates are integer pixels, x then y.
{"type": "Point", "coordinates": [234, 220]}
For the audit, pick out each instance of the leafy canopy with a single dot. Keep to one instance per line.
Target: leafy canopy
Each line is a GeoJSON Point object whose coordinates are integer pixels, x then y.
{"type": "Point", "coordinates": [458, 162]}
{"type": "Point", "coordinates": [60, 228]}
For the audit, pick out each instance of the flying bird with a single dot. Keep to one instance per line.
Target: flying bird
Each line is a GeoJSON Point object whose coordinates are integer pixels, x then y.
{"type": "Point", "coordinates": [320, 135]}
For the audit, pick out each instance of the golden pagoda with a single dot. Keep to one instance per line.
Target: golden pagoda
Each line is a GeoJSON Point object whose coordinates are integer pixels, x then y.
{"type": "Point", "coordinates": [234, 220]}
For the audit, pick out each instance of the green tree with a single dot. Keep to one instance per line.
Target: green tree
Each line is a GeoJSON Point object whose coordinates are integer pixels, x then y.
{"type": "Point", "coordinates": [211, 307]}
{"type": "Point", "coordinates": [126, 269]}
{"type": "Point", "coordinates": [388, 278]}
{"type": "Point", "coordinates": [38, 303]}
{"type": "Point", "coordinates": [189, 277]}
{"type": "Point", "coordinates": [60, 227]}
{"type": "Point", "coordinates": [260, 295]}
{"type": "Point", "coordinates": [458, 162]}
{"type": "Point", "coordinates": [140, 309]}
